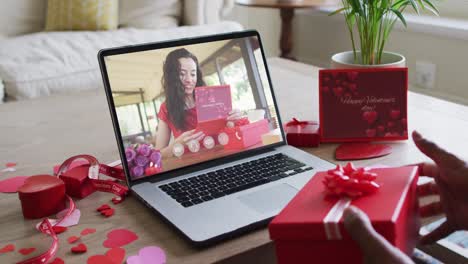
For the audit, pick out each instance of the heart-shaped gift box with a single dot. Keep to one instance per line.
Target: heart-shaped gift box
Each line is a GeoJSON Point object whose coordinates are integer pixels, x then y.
{"type": "Point", "coordinates": [41, 196]}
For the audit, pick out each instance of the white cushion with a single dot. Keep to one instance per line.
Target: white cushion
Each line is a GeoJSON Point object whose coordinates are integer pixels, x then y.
{"type": "Point", "coordinates": [22, 16]}
{"type": "Point", "coordinates": [54, 62]}
{"type": "Point", "coordinates": [150, 14]}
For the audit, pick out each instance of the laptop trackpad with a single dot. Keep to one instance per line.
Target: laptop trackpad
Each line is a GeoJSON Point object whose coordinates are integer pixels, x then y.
{"type": "Point", "coordinates": [270, 200]}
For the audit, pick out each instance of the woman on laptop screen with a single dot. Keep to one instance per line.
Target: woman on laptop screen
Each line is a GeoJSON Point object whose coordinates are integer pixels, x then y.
{"type": "Point", "coordinates": [177, 115]}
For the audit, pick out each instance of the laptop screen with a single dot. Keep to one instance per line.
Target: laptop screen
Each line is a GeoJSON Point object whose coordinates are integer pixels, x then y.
{"type": "Point", "coordinates": [184, 105]}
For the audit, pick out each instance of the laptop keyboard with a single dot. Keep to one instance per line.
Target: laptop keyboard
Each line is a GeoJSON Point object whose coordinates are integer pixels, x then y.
{"type": "Point", "coordinates": [216, 184]}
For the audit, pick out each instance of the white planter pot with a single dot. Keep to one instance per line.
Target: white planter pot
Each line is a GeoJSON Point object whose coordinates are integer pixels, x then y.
{"type": "Point", "coordinates": [345, 60]}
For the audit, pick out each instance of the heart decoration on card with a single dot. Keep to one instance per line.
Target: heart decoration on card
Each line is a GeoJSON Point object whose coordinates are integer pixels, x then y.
{"type": "Point", "coordinates": [112, 256]}
{"type": "Point", "coordinates": [148, 255]}
{"type": "Point", "coordinates": [370, 116]}
{"type": "Point", "coordinates": [357, 151]}
{"type": "Point", "coordinates": [119, 238]}
{"type": "Point", "coordinates": [12, 184]}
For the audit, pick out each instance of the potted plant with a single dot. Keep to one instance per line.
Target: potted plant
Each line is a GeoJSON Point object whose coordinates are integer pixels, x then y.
{"type": "Point", "coordinates": [374, 20]}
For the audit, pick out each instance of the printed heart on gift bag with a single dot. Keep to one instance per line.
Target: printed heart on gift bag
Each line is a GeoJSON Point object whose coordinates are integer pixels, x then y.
{"type": "Point", "coordinates": [395, 114]}
{"type": "Point", "coordinates": [148, 255]}
{"type": "Point", "coordinates": [338, 91]}
{"type": "Point", "coordinates": [119, 238]}
{"type": "Point", "coordinates": [371, 132]}
{"type": "Point", "coordinates": [370, 116]}
{"type": "Point", "coordinates": [112, 256]}
{"type": "Point", "coordinates": [356, 151]}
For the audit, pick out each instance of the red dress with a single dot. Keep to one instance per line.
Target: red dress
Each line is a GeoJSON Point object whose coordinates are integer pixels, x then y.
{"type": "Point", "coordinates": [190, 120]}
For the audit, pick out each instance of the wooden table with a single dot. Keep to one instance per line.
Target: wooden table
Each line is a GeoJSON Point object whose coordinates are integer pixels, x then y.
{"type": "Point", "coordinates": [287, 13]}
{"type": "Point", "coordinates": [38, 134]}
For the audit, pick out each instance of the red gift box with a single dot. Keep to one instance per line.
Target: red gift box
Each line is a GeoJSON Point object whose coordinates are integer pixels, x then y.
{"type": "Point", "coordinates": [244, 136]}
{"type": "Point", "coordinates": [363, 104]}
{"type": "Point", "coordinates": [41, 196]}
{"type": "Point", "coordinates": [302, 133]}
{"type": "Point", "coordinates": [308, 229]}
{"type": "Point", "coordinates": [79, 180]}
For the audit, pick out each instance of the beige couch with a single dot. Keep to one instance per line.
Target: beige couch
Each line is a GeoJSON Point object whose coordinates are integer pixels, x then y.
{"type": "Point", "coordinates": [34, 63]}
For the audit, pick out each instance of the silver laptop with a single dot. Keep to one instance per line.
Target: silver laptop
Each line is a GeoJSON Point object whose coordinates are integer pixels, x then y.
{"type": "Point", "coordinates": [199, 133]}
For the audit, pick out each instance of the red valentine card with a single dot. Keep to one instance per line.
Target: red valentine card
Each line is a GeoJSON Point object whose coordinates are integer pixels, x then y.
{"type": "Point", "coordinates": [363, 104]}
{"type": "Point", "coordinates": [213, 102]}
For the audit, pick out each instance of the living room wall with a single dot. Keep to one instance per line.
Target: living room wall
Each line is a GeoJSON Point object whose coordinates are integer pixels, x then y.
{"type": "Point", "coordinates": [317, 36]}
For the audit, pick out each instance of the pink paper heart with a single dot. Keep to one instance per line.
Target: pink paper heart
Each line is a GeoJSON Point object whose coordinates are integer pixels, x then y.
{"type": "Point", "coordinates": [12, 184]}
{"type": "Point", "coordinates": [119, 238]}
{"type": "Point", "coordinates": [71, 220]}
{"type": "Point", "coordinates": [148, 255]}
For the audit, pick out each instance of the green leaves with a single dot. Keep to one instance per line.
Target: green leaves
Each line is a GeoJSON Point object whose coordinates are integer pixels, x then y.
{"type": "Point", "coordinates": [374, 20]}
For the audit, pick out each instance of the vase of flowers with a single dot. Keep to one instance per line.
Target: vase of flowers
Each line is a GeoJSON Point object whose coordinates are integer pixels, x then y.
{"type": "Point", "coordinates": [143, 160]}
{"type": "Point", "coordinates": [373, 21]}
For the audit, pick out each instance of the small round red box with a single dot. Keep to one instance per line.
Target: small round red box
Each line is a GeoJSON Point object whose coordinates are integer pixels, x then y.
{"type": "Point", "coordinates": [41, 196]}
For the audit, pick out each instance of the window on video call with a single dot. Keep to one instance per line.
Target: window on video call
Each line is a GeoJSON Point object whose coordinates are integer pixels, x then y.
{"type": "Point", "coordinates": [184, 105]}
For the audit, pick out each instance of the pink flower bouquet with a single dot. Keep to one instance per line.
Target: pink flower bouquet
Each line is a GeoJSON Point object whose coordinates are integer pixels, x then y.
{"type": "Point", "coordinates": [143, 160]}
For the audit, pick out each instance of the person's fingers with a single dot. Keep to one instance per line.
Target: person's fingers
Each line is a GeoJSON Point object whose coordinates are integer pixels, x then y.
{"type": "Point", "coordinates": [200, 137]}
{"type": "Point", "coordinates": [428, 169]}
{"type": "Point", "coordinates": [440, 232]}
{"type": "Point", "coordinates": [436, 153]}
{"type": "Point", "coordinates": [234, 116]}
{"type": "Point", "coordinates": [427, 189]}
{"type": "Point", "coordinates": [187, 133]}
{"type": "Point", "coordinates": [193, 136]}
{"type": "Point", "coordinates": [431, 209]}
{"type": "Point", "coordinates": [359, 227]}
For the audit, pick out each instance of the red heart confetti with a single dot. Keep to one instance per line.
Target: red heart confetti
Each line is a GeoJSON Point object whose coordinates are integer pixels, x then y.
{"type": "Point", "coordinates": [12, 184]}
{"type": "Point", "coordinates": [58, 261]}
{"type": "Point", "coordinates": [117, 200]}
{"type": "Point", "coordinates": [80, 248]}
{"type": "Point", "coordinates": [59, 229]}
{"type": "Point", "coordinates": [356, 151]}
{"type": "Point", "coordinates": [116, 254]}
{"type": "Point", "coordinates": [108, 212]}
{"type": "Point", "coordinates": [26, 251]}
{"type": "Point", "coordinates": [112, 256]}
{"type": "Point", "coordinates": [119, 238]}
{"type": "Point", "coordinates": [103, 207]}
{"type": "Point", "coordinates": [72, 239]}
{"type": "Point", "coordinates": [10, 164]}
{"type": "Point", "coordinates": [7, 248]}
{"type": "Point", "coordinates": [88, 231]}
